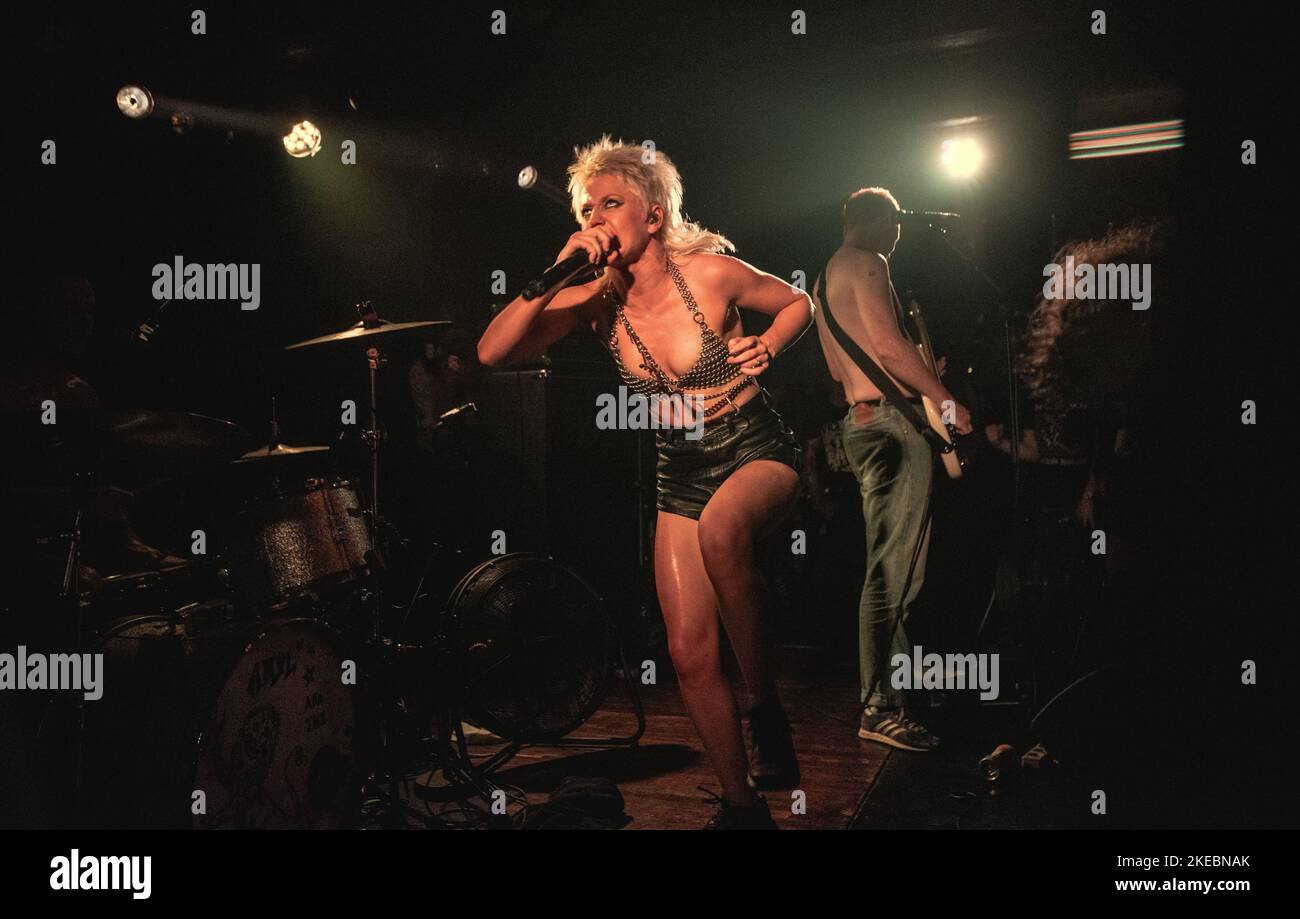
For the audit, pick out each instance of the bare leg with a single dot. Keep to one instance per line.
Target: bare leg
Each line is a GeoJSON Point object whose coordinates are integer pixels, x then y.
{"type": "Point", "coordinates": [691, 617]}
{"type": "Point", "coordinates": [748, 503]}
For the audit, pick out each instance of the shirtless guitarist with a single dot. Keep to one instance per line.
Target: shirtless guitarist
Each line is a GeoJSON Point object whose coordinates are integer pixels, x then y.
{"type": "Point", "coordinates": [893, 463]}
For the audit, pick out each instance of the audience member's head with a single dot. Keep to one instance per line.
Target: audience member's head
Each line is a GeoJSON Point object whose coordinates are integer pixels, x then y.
{"type": "Point", "coordinates": [1099, 355]}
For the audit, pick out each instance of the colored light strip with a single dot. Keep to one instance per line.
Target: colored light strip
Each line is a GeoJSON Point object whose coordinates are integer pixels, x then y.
{"type": "Point", "coordinates": [1129, 128]}
{"type": "Point", "coordinates": [1096, 155]}
{"type": "Point", "coordinates": [1148, 137]}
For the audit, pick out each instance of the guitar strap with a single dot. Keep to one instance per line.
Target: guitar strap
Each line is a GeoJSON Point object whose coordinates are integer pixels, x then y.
{"type": "Point", "coordinates": [875, 373]}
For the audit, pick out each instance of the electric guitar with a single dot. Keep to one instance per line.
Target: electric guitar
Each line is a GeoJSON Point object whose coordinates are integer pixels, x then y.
{"type": "Point", "coordinates": [953, 459]}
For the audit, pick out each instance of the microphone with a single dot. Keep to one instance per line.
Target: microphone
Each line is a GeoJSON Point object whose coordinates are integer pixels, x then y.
{"type": "Point", "coordinates": [925, 217]}
{"type": "Point", "coordinates": [143, 333]}
{"type": "Point", "coordinates": [453, 412]}
{"type": "Point", "coordinates": [559, 274]}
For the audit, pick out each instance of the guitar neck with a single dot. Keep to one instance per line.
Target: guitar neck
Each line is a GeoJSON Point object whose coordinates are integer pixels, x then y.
{"type": "Point", "coordinates": [924, 346]}
{"type": "Point", "coordinates": [953, 461]}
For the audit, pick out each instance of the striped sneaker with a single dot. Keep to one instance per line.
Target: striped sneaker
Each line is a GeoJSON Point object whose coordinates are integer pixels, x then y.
{"type": "Point", "coordinates": [895, 729]}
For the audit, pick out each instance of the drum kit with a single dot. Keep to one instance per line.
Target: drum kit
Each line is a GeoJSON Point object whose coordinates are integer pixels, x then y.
{"type": "Point", "coordinates": [305, 666]}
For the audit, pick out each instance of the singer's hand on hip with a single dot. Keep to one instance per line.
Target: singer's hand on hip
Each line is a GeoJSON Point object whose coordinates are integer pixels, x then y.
{"type": "Point", "coordinates": [751, 353]}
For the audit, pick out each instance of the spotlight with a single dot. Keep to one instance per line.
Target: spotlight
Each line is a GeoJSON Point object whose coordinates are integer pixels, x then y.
{"type": "Point", "coordinates": [961, 157]}
{"type": "Point", "coordinates": [529, 177]}
{"type": "Point", "coordinates": [134, 101]}
{"type": "Point", "coordinates": [302, 140]}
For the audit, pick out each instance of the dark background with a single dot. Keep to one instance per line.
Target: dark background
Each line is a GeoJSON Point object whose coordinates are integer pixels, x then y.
{"type": "Point", "coordinates": [770, 132]}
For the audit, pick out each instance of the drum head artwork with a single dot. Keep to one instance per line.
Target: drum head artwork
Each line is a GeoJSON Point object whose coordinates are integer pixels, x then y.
{"type": "Point", "coordinates": [278, 751]}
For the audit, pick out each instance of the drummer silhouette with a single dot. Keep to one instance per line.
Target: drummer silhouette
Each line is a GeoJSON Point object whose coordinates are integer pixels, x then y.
{"type": "Point", "coordinates": [38, 374]}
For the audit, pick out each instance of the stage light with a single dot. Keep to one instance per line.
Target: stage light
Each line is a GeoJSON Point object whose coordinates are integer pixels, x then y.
{"type": "Point", "coordinates": [1148, 137]}
{"type": "Point", "coordinates": [961, 157]}
{"type": "Point", "coordinates": [303, 140]}
{"type": "Point", "coordinates": [134, 101]}
{"type": "Point", "coordinates": [529, 177]}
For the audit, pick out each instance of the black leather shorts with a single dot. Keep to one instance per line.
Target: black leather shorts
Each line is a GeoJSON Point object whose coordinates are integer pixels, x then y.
{"type": "Point", "coordinates": [690, 471]}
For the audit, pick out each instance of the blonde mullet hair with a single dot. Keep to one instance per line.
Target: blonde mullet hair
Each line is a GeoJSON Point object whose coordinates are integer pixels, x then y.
{"type": "Point", "coordinates": [655, 182]}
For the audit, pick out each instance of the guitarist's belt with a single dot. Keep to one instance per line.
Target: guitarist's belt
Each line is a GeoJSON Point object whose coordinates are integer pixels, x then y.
{"type": "Point", "coordinates": [863, 412]}
{"type": "Point", "coordinates": [875, 403]}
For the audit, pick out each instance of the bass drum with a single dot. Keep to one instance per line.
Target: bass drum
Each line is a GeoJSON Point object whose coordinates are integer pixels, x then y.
{"type": "Point", "coordinates": [536, 647]}
{"type": "Point", "coordinates": [248, 724]}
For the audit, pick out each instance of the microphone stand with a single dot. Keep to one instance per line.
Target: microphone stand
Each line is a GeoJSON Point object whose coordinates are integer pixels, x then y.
{"type": "Point", "coordinates": [1013, 402]}
{"type": "Point", "coordinates": [1013, 395]}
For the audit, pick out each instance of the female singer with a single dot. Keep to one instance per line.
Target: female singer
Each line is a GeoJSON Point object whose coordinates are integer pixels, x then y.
{"type": "Point", "coordinates": [666, 305]}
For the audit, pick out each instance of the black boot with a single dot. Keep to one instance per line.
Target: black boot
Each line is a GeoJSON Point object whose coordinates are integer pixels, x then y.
{"type": "Point", "coordinates": [772, 761]}
{"type": "Point", "coordinates": [730, 816]}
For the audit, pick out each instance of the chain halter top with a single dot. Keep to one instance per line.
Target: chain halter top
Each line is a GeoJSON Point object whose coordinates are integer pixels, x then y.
{"type": "Point", "coordinates": [710, 370]}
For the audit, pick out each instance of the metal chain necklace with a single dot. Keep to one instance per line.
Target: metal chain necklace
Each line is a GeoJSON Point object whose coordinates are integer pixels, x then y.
{"type": "Point", "coordinates": [711, 369]}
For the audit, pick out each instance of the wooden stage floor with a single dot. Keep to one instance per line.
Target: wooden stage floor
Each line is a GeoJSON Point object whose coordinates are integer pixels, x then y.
{"type": "Point", "coordinates": [659, 778]}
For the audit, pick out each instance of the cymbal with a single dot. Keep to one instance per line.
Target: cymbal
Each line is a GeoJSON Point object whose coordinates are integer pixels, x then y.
{"type": "Point", "coordinates": [163, 444]}
{"type": "Point", "coordinates": [135, 446]}
{"type": "Point", "coordinates": [364, 329]}
{"type": "Point", "coordinates": [145, 429]}
{"type": "Point", "coordinates": [280, 451]}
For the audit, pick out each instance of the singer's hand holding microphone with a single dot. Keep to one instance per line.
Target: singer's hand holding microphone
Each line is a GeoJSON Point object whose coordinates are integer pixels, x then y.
{"type": "Point", "coordinates": [585, 248]}
{"type": "Point", "coordinates": [598, 242]}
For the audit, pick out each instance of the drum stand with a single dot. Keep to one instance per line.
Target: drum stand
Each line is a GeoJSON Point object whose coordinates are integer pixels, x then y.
{"type": "Point", "coordinates": [70, 597]}
{"type": "Point", "coordinates": [452, 756]}
{"type": "Point", "coordinates": [69, 601]}
{"type": "Point", "coordinates": [372, 438]}
{"type": "Point", "coordinates": [398, 733]}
